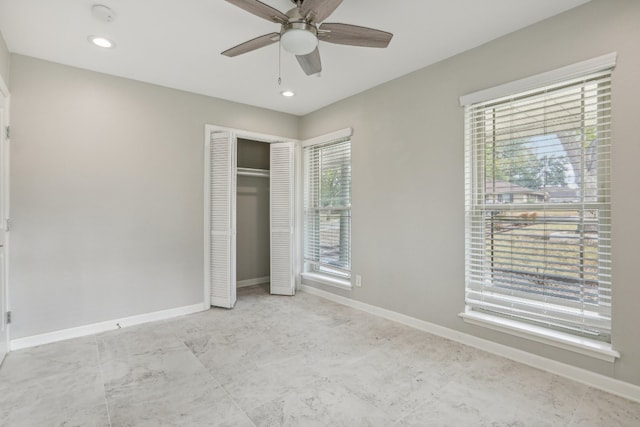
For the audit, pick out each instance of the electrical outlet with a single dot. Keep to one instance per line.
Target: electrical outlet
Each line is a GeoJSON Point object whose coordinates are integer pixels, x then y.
{"type": "Point", "coordinates": [358, 281]}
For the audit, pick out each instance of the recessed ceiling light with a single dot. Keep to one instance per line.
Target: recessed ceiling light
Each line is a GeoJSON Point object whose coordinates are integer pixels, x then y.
{"type": "Point", "coordinates": [102, 42]}
{"type": "Point", "coordinates": [287, 93]}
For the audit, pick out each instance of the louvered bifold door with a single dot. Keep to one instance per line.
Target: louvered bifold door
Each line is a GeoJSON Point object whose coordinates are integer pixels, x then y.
{"type": "Point", "coordinates": [282, 205]}
{"type": "Point", "coordinates": [222, 247]}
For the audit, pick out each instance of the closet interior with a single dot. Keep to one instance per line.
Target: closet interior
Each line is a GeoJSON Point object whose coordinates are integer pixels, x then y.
{"type": "Point", "coordinates": [253, 255]}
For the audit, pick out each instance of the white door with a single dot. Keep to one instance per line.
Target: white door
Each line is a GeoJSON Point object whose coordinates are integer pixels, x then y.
{"type": "Point", "coordinates": [4, 210]}
{"type": "Point", "coordinates": [282, 218]}
{"type": "Point", "coordinates": [222, 168]}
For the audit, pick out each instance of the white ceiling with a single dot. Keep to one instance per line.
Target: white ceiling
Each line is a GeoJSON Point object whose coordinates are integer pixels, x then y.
{"type": "Point", "coordinates": [177, 43]}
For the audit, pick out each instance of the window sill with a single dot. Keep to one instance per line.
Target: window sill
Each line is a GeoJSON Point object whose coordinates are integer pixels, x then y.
{"type": "Point", "coordinates": [581, 345]}
{"type": "Point", "coordinates": [325, 279]}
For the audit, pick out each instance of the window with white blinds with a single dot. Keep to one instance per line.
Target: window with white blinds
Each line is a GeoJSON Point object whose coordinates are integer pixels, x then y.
{"type": "Point", "coordinates": [327, 208]}
{"type": "Point", "coordinates": [538, 212]}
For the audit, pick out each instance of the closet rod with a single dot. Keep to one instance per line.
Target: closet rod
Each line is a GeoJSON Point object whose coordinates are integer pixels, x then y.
{"type": "Point", "coordinates": [261, 173]}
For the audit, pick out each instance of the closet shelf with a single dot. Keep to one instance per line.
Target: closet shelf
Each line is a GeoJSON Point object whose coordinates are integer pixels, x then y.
{"type": "Point", "coordinates": [261, 173]}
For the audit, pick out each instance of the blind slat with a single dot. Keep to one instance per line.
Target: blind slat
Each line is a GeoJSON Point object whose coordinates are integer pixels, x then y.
{"type": "Point", "coordinates": [537, 199]}
{"type": "Point", "coordinates": [327, 207]}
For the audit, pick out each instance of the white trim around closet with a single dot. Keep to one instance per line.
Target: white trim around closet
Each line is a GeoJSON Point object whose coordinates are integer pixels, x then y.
{"type": "Point", "coordinates": [244, 134]}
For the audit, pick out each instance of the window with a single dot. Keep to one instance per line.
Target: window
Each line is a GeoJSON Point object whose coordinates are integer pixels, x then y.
{"type": "Point", "coordinates": [538, 216]}
{"type": "Point", "coordinates": [327, 208]}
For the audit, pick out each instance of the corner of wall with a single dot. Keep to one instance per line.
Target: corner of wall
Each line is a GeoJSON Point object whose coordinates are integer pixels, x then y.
{"type": "Point", "coordinates": [5, 62]}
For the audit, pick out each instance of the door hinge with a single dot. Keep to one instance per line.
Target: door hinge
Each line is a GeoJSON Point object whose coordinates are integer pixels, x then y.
{"type": "Point", "coordinates": [7, 226]}
{"type": "Point", "coordinates": [8, 317]}
{"type": "Point", "coordinates": [7, 132]}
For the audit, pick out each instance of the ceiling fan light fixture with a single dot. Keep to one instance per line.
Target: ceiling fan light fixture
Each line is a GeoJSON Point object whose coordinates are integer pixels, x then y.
{"type": "Point", "coordinates": [299, 38]}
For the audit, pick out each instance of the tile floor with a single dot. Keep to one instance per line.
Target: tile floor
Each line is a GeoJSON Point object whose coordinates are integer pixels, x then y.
{"type": "Point", "coordinates": [287, 361]}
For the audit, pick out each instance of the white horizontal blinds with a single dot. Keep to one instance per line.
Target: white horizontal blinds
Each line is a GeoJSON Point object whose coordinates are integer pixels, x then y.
{"type": "Point", "coordinates": [222, 242]}
{"type": "Point", "coordinates": [281, 200]}
{"type": "Point", "coordinates": [538, 206]}
{"type": "Point", "coordinates": [327, 207]}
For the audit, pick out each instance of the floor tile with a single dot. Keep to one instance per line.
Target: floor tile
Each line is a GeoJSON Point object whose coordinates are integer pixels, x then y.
{"type": "Point", "coordinates": [42, 361]}
{"type": "Point", "coordinates": [166, 387]}
{"type": "Point", "coordinates": [58, 384]}
{"type": "Point", "coordinates": [600, 409]}
{"type": "Point", "coordinates": [136, 340]}
{"type": "Point", "coordinates": [321, 403]}
{"type": "Point", "coordinates": [287, 361]}
{"type": "Point", "coordinates": [496, 391]}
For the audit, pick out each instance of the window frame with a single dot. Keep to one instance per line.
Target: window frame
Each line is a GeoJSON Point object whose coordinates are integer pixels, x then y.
{"type": "Point", "coordinates": [340, 278]}
{"type": "Point", "coordinates": [584, 345]}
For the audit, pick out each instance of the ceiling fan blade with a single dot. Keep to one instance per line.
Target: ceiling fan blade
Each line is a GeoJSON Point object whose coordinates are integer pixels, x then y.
{"type": "Point", "coordinates": [354, 35]}
{"type": "Point", "coordinates": [254, 44]}
{"type": "Point", "coordinates": [310, 63]}
{"type": "Point", "coordinates": [260, 9]}
{"type": "Point", "coordinates": [318, 10]}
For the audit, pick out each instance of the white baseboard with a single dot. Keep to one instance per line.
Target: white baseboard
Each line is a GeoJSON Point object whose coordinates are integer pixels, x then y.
{"type": "Point", "coordinates": [95, 328]}
{"type": "Point", "coordinates": [251, 282]}
{"type": "Point", "coordinates": [592, 379]}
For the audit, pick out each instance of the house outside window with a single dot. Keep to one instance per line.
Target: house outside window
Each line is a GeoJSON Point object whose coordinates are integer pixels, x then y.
{"type": "Point", "coordinates": [327, 208]}
{"type": "Point", "coordinates": [538, 215]}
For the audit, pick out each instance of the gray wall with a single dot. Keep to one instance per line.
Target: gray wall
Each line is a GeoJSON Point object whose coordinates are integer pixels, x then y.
{"type": "Point", "coordinates": [107, 194]}
{"type": "Point", "coordinates": [4, 60]}
{"type": "Point", "coordinates": [252, 237]}
{"type": "Point", "coordinates": [408, 188]}
{"type": "Point", "coordinates": [252, 213]}
{"type": "Point", "coordinates": [107, 183]}
{"type": "Point", "coordinates": [253, 154]}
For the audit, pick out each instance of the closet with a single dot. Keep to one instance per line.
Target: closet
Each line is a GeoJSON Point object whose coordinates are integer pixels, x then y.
{"type": "Point", "coordinates": [253, 251]}
{"type": "Point", "coordinates": [249, 213]}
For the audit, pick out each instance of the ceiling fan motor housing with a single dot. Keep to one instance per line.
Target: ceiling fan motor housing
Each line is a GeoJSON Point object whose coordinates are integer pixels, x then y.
{"type": "Point", "coordinates": [298, 35]}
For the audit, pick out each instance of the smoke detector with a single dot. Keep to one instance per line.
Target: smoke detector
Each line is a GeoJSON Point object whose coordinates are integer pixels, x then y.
{"type": "Point", "coordinates": [102, 13]}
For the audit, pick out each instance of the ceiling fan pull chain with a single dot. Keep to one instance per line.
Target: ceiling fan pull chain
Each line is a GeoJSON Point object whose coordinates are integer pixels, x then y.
{"type": "Point", "coordinates": [279, 63]}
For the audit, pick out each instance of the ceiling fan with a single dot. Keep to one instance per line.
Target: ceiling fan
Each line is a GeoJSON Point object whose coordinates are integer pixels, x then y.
{"type": "Point", "coordinates": [303, 27]}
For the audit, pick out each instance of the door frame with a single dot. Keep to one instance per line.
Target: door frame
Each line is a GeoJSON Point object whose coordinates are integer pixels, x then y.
{"type": "Point", "coordinates": [260, 137]}
{"type": "Point", "coordinates": [4, 194]}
